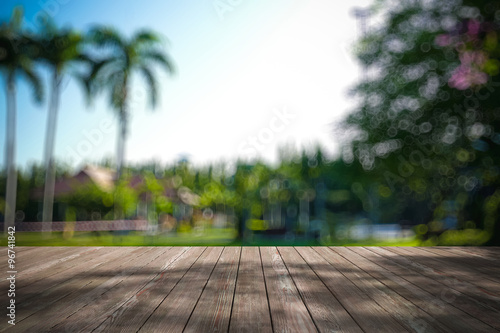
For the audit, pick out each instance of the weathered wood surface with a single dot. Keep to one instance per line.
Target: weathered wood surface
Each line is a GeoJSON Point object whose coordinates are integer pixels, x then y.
{"type": "Point", "coordinates": [252, 289]}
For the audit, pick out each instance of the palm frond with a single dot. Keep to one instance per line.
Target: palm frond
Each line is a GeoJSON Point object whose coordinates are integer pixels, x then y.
{"type": "Point", "coordinates": [152, 83]}
{"type": "Point", "coordinates": [16, 19]}
{"type": "Point", "coordinates": [130, 55]}
{"type": "Point", "coordinates": [160, 58]}
{"type": "Point", "coordinates": [85, 58]}
{"type": "Point", "coordinates": [34, 80]}
{"type": "Point", "coordinates": [99, 68]}
{"type": "Point", "coordinates": [106, 36]}
{"type": "Point", "coordinates": [48, 26]}
{"type": "Point", "coordinates": [84, 82]}
{"type": "Point", "coordinates": [144, 37]}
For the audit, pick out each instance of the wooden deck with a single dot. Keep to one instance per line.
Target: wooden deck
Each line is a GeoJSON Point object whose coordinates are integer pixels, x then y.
{"type": "Point", "coordinates": [252, 289]}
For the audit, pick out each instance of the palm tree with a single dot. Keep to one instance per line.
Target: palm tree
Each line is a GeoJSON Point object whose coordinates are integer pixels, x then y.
{"type": "Point", "coordinates": [59, 48]}
{"type": "Point", "coordinates": [113, 72]}
{"type": "Point", "coordinates": [16, 57]}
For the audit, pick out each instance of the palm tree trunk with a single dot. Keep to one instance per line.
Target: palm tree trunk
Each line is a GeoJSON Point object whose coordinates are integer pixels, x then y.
{"type": "Point", "coordinates": [120, 157]}
{"type": "Point", "coordinates": [10, 156]}
{"type": "Point", "coordinates": [122, 137]}
{"type": "Point", "coordinates": [50, 170]}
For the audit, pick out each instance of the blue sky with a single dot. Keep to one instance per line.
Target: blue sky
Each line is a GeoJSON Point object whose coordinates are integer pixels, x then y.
{"type": "Point", "coordinates": [251, 76]}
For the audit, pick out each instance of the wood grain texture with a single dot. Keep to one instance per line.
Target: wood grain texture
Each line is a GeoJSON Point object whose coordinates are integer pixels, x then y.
{"type": "Point", "coordinates": [366, 312]}
{"type": "Point", "coordinates": [484, 267]}
{"type": "Point", "coordinates": [404, 311]}
{"type": "Point", "coordinates": [491, 252]}
{"type": "Point", "coordinates": [130, 316]}
{"type": "Point", "coordinates": [89, 317]}
{"type": "Point", "coordinates": [93, 286]}
{"type": "Point", "coordinates": [252, 289]}
{"type": "Point", "coordinates": [288, 312]}
{"type": "Point", "coordinates": [43, 294]}
{"type": "Point", "coordinates": [469, 286]}
{"type": "Point", "coordinates": [328, 314]}
{"type": "Point", "coordinates": [460, 271]}
{"type": "Point", "coordinates": [54, 268]}
{"type": "Point", "coordinates": [250, 312]}
{"type": "Point", "coordinates": [448, 315]}
{"type": "Point", "coordinates": [27, 262]}
{"type": "Point", "coordinates": [213, 310]}
{"type": "Point", "coordinates": [26, 256]}
{"type": "Point", "coordinates": [173, 313]}
{"type": "Point", "coordinates": [435, 286]}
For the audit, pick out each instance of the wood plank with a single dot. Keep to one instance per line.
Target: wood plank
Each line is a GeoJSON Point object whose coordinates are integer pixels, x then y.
{"type": "Point", "coordinates": [213, 311]}
{"type": "Point", "coordinates": [491, 256]}
{"type": "Point", "coordinates": [460, 258]}
{"type": "Point", "coordinates": [29, 261]}
{"type": "Point", "coordinates": [36, 300]}
{"type": "Point", "coordinates": [365, 311]}
{"type": "Point", "coordinates": [132, 289]}
{"type": "Point", "coordinates": [453, 318]}
{"type": "Point", "coordinates": [326, 311]}
{"type": "Point", "coordinates": [27, 265]}
{"type": "Point", "coordinates": [20, 252]}
{"type": "Point", "coordinates": [131, 315]}
{"type": "Point", "coordinates": [55, 266]}
{"type": "Point", "coordinates": [35, 287]}
{"type": "Point", "coordinates": [288, 312]}
{"type": "Point", "coordinates": [101, 281]}
{"type": "Point", "coordinates": [27, 249]}
{"type": "Point", "coordinates": [451, 277]}
{"type": "Point", "coordinates": [250, 308]}
{"type": "Point", "coordinates": [173, 313]}
{"type": "Point", "coordinates": [462, 272]}
{"type": "Point", "coordinates": [404, 311]}
{"type": "Point", "coordinates": [487, 251]}
{"type": "Point", "coordinates": [433, 283]}
{"type": "Point", "coordinates": [44, 293]}
{"type": "Point", "coordinates": [92, 315]}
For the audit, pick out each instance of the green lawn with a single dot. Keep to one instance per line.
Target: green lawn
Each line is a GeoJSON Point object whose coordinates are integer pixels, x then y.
{"type": "Point", "coordinates": [211, 237]}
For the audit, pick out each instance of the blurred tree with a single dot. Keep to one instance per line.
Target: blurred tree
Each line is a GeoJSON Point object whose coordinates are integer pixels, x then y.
{"type": "Point", "coordinates": [59, 48]}
{"type": "Point", "coordinates": [119, 57]}
{"type": "Point", "coordinates": [427, 121]}
{"type": "Point", "coordinates": [16, 57]}
{"type": "Point", "coordinates": [87, 200]}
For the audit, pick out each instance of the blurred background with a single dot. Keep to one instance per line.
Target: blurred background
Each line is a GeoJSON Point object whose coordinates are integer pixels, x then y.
{"type": "Point", "coordinates": [249, 123]}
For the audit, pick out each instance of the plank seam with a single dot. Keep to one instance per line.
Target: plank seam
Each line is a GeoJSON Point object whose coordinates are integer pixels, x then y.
{"type": "Point", "coordinates": [298, 290]}
{"type": "Point", "coordinates": [187, 270]}
{"type": "Point", "coordinates": [424, 276]}
{"type": "Point", "coordinates": [395, 291]}
{"type": "Point", "coordinates": [141, 287]}
{"type": "Point", "coordinates": [331, 292]}
{"type": "Point", "coordinates": [114, 286]}
{"type": "Point", "coordinates": [67, 295]}
{"type": "Point", "coordinates": [234, 291]}
{"type": "Point", "coordinates": [267, 294]}
{"type": "Point", "coordinates": [204, 286]}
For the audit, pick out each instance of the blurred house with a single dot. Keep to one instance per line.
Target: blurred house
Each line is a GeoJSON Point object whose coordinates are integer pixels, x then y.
{"type": "Point", "coordinates": [183, 199]}
{"type": "Point", "coordinates": [102, 178]}
{"type": "Point", "coordinates": [184, 202]}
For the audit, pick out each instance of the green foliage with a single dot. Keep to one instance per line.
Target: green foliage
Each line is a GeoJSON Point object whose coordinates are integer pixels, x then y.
{"type": "Point", "coordinates": [18, 53]}
{"type": "Point", "coordinates": [87, 199]}
{"type": "Point", "coordinates": [427, 122]}
{"type": "Point", "coordinates": [422, 146]}
{"type": "Point", "coordinates": [123, 57]}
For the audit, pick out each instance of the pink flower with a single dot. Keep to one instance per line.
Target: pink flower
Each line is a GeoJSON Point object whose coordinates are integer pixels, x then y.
{"type": "Point", "coordinates": [443, 40]}
{"type": "Point", "coordinates": [472, 57]}
{"type": "Point", "coordinates": [466, 76]}
{"type": "Point", "coordinates": [473, 27]}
